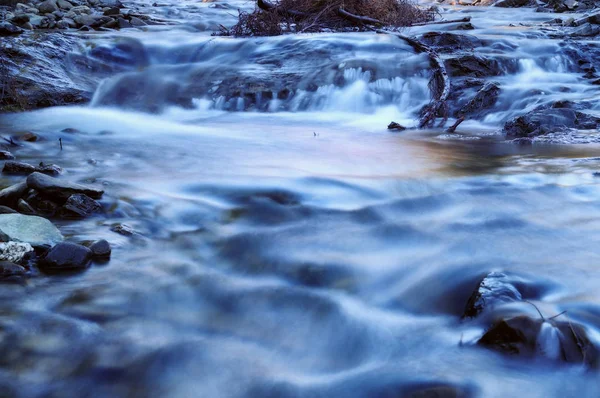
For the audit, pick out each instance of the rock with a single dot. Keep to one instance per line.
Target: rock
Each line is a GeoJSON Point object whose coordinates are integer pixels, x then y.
{"type": "Point", "coordinates": [64, 5]}
{"type": "Point", "coordinates": [112, 11]}
{"type": "Point", "coordinates": [34, 230]}
{"type": "Point", "coordinates": [25, 208]}
{"type": "Point", "coordinates": [14, 252]}
{"type": "Point", "coordinates": [8, 269]}
{"type": "Point", "coordinates": [592, 19]}
{"type": "Point", "coordinates": [20, 19]}
{"type": "Point", "coordinates": [524, 336]}
{"type": "Point", "coordinates": [5, 155]}
{"type": "Point", "coordinates": [6, 210]}
{"type": "Point", "coordinates": [473, 66]}
{"type": "Point", "coordinates": [49, 169]}
{"type": "Point", "coordinates": [11, 195]}
{"type": "Point", "coordinates": [122, 229]}
{"type": "Point", "coordinates": [11, 167]}
{"type": "Point", "coordinates": [586, 30]}
{"type": "Point", "coordinates": [79, 10]}
{"type": "Point", "coordinates": [41, 205]}
{"type": "Point", "coordinates": [66, 256]}
{"type": "Point", "coordinates": [495, 288]}
{"type": "Point", "coordinates": [445, 42]}
{"type": "Point", "coordinates": [484, 100]}
{"type": "Point", "coordinates": [101, 249]}
{"type": "Point", "coordinates": [47, 7]}
{"type": "Point", "coordinates": [29, 137]}
{"type": "Point", "coordinates": [544, 121]}
{"type": "Point", "coordinates": [80, 206]}
{"type": "Point", "coordinates": [85, 20]}
{"type": "Point", "coordinates": [8, 29]}
{"type": "Point", "coordinates": [512, 3]}
{"type": "Point", "coordinates": [135, 21]}
{"type": "Point", "coordinates": [59, 190]}
{"type": "Point", "coordinates": [123, 23]}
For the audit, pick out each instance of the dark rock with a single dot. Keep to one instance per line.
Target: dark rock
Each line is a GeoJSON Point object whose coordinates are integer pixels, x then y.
{"type": "Point", "coordinates": [49, 169]}
{"type": "Point", "coordinates": [25, 208]}
{"type": "Point", "coordinates": [513, 3]}
{"type": "Point", "coordinates": [8, 29]}
{"type": "Point", "coordinates": [6, 210]}
{"type": "Point", "coordinates": [42, 205]}
{"type": "Point", "coordinates": [59, 190]}
{"type": "Point", "coordinates": [483, 101]}
{"type": "Point", "coordinates": [8, 269]}
{"type": "Point", "coordinates": [494, 288]}
{"type": "Point", "coordinates": [396, 126]}
{"type": "Point", "coordinates": [450, 42]}
{"type": "Point", "coordinates": [66, 256]}
{"type": "Point", "coordinates": [123, 23]}
{"type": "Point", "coordinates": [20, 19]}
{"type": "Point", "coordinates": [112, 11]}
{"type": "Point", "coordinates": [79, 206]}
{"type": "Point", "coordinates": [5, 155]}
{"type": "Point", "coordinates": [29, 137]}
{"type": "Point", "coordinates": [549, 120]}
{"type": "Point", "coordinates": [12, 167]}
{"type": "Point", "coordinates": [473, 66]}
{"type": "Point", "coordinates": [11, 195]}
{"type": "Point", "coordinates": [122, 229]}
{"type": "Point", "coordinates": [465, 26]}
{"type": "Point", "coordinates": [556, 340]}
{"type": "Point", "coordinates": [101, 249]}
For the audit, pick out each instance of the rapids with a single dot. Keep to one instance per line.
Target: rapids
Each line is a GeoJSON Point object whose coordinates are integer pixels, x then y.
{"type": "Point", "coordinates": [287, 244]}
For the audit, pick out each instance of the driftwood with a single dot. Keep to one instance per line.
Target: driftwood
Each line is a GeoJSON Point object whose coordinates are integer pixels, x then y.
{"type": "Point", "coordinates": [466, 19]}
{"type": "Point", "coordinates": [453, 128]}
{"type": "Point", "coordinates": [439, 84]}
{"type": "Point", "coordinates": [359, 19]}
{"type": "Point", "coordinates": [266, 5]}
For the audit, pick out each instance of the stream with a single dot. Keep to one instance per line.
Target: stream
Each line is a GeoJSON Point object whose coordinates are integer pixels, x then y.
{"type": "Point", "coordinates": [287, 244]}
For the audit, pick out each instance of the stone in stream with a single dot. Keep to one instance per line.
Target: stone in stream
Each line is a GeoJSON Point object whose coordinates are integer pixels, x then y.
{"type": "Point", "coordinates": [555, 340]}
{"type": "Point", "coordinates": [495, 288]}
{"type": "Point", "coordinates": [59, 190]}
{"type": "Point", "coordinates": [25, 208]}
{"type": "Point", "coordinates": [5, 155]}
{"type": "Point", "coordinates": [122, 229]}
{"type": "Point", "coordinates": [66, 256]}
{"type": "Point", "coordinates": [47, 7]}
{"type": "Point", "coordinates": [42, 205]}
{"type": "Point", "coordinates": [14, 252]}
{"type": "Point", "coordinates": [473, 66]}
{"type": "Point", "coordinates": [79, 206]}
{"type": "Point", "coordinates": [9, 269]}
{"type": "Point", "coordinates": [101, 249]}
{"type": "Point", "coordinates": [8, 29]}
{"type": "Point", "coordinates": [34, 230]}
{"type": "Point", "coordinates": [549, 120]}
{"type": "Point", "coordinates": [29, 137]}
{"type": "Point", "coordinates": [10, 196]}
{"type": "Point", "coordinates": [483, 101]}
{"type": "Point", "coordinates": [50, 169]}
{"type": "Point", "coordinates": [12, 167]}
{"type": "Point", "coordinates": [6, 210]}
{"type": "Point", "coordinates": [445, 42]}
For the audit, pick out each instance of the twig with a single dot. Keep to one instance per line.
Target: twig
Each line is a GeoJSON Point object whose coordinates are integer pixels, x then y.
{"type": "Point", "coordinates": [359, 18]}
{"type": "Point", "coordinates": [60, 142]}
{"type": "Point", "coordinates": [537, 309]}
{"type": "Point", "coordinates": [452, 128]}
{"type": "Point", "coordinates": [557, 315]}
{"type": "Point", "coordinates": [466, 19]}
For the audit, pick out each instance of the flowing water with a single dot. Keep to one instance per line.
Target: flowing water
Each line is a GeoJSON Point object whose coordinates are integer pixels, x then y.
{"type": "Point", "coordinates": [287, 244]}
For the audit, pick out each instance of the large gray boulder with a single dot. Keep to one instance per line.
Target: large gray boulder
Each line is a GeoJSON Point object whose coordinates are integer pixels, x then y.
{"type": "Point", "coordinates": [36, 231]}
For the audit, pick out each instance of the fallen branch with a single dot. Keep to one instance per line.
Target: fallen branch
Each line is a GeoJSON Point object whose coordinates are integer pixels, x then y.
{"type": "Point", "coordinates": [453, 128]}
{"type": "Point", "coordinates": [359, 19]}
{"type": "Point", "coordinates": [439, 84]}
{"type": "Point", "coordinates": [266, 5]}
{"type": "Point", "coordinates": [466, 19]}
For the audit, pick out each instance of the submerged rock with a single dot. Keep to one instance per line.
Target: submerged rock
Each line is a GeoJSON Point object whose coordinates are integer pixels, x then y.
{"type": "Point", "coordinates": [34, 230]}
{"type": "Point", "coordinates": [483, 101]}
{"type": "Point", "coordinates": [473, 66]}
{"type": "Point", "coordinates": [495, 288]}
{"type": "Point", "coordinates": [122, 229]}
{"type": "Point", "coordinates": [445, 42]}
{"type": "Point", "coordinates": [5, 155]}
{"type": "Point", "coordinates": [8, 29]}
{"type": "Point", "coordinates": [66, 256]}
{"type": "Point", "coordinates": [57, 189]}
{"type": "Point", "coordinates": [9, 269]}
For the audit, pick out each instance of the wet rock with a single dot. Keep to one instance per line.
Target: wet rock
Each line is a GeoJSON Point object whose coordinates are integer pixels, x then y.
{"type": "Point", "coordinates": [586, 30]}
{"type": "Point", "coordinates": [12, 167]}
{"type": "Point", "coordinates": [66, 256]}
{"type": "Point", "coordinates": [25, 208]}
{"type": "Point", "coordinates": [112, 11]}
{"type": "Point", "coordinates": [5, 155]}
{"type": "Point", "coordinates": [41, 205]}
{"type": "Point", "coordinates": [79, 206]}
{"type": "Point", "coordinates": [9, 269]}
{"type": "Point", "coordinates": [513, 3]}
{"type": "Point", "coordinates": [544, 121]}
{"type": "Point", "coordinates": [473, 66]}
{"type": "Point", "coordinates": [11, 195]}
{"type": "Point", "coordinates": [8, 29]}
{"type": "Point", "coordinates": [6, 210]}
{"type": "Point", "coordinates": [495, 288]}
{"type": "Point", "coordinates": [60, 190]}
{"type": "Point", "coordinates": [484, 100]}
{"type": "Point", "coordinates": [101, 249]}
{"type": "Point", "coordinates": [450, 42]}
{"type": "Point", "coordinates": [14, 252]}
{"type": "Point", "coordinates": [49, 169]}
{"type": "Point", "coordinates": [29, 137]}
{"type": "Point", "coordinates": [34, 230]}
{"type": "Point", "coordinates": [122, 229]}
{"type": "Point", "coordinates": [556, 340]}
